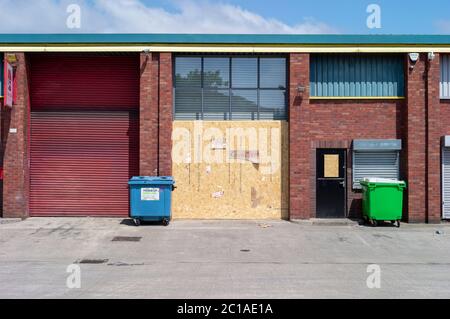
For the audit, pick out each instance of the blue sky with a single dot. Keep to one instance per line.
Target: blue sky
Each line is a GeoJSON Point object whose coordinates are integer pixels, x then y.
{"type": "Point", "coordinates": [226, 16]}
{"type": "Point", "coordinates": [349, 16]}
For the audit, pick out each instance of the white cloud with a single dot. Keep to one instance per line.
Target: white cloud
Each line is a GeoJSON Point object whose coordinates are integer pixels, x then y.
{"type": "Point", "coordinates": [49, 16]}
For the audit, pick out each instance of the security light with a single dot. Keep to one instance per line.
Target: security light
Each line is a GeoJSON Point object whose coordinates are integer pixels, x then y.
{"type": "Point", "coordinates": [431, 56]}
{"type": "Point", "coordinates": [414, 57]}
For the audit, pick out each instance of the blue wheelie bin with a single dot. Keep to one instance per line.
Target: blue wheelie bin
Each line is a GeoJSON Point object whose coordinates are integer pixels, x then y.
{"type": "Point", "coordinates": [151, 198]}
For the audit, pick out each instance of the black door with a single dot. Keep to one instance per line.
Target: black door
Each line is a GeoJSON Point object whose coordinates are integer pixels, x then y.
{"type": "Point", "coordinates": [330, 193]}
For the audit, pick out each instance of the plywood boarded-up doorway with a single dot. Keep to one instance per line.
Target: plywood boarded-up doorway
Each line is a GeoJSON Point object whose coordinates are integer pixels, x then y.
{"type": "Point", "coordinates": [230, 170]}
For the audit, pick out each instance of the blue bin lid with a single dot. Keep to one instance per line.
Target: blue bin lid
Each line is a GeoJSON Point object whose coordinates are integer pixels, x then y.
{"type": "Point", "coordinates": [151, 180]}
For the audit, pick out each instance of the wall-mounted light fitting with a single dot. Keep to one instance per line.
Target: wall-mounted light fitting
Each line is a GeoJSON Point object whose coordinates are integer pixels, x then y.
{"type": "Point", "coordinates": [413, 57]}
{"type": "Point", "coordinates": [301, 89]}
{"type": "Point", "coordinates": [431, 56]}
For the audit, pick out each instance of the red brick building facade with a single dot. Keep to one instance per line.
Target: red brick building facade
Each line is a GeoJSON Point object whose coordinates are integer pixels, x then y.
{"type": "Point", "coordinates": [334, 124]}
{"type": "Point", "coordinates": [420, 120]}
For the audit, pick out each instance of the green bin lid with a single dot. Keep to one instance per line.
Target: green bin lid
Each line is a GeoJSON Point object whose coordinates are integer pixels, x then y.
{"type": "Point", "coordinates": [381, 181]}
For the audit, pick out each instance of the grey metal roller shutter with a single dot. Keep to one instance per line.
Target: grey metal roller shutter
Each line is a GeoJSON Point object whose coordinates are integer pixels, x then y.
{"type": "Point", "coordinates": [446, 183]}
{"type": "Point", "coordinates": [381, 164]}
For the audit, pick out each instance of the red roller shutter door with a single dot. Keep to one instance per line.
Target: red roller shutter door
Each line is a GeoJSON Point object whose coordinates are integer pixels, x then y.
{"type": "Point", "coordinates": [61, 81]}
{"type": "Point", "coordinates": [84, 137]}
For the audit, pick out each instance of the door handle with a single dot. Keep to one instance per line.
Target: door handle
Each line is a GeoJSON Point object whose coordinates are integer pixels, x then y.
{"type": "Point", "coordinates": [342, 183]}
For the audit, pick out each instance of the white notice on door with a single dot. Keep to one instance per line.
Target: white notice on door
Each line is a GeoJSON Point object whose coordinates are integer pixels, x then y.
{"type": "Point", "coordinates": [149, 193]}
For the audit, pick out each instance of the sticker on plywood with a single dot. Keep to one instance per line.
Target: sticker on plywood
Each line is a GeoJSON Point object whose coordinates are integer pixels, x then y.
{"type": "Point", "coordinates": [250, 156]}
{"type": "Point", "coordinates": [218, 194]}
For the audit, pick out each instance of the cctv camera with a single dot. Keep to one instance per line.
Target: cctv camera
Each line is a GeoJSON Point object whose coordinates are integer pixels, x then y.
{"type": "Point", "coordinates": [431, 56]}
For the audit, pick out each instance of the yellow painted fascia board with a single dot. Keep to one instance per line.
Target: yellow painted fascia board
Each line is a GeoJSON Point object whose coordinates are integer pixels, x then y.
{"type": "Point", "coordinates": [357, 98]}
{"type": "Point", "coordinates": [205, 48]}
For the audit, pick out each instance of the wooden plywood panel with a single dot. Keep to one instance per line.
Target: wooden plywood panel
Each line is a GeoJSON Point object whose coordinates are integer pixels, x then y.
{"type": "Point", "coordinates": [232, 170]}
{"type": "Point", "coordinates": [331, 166]}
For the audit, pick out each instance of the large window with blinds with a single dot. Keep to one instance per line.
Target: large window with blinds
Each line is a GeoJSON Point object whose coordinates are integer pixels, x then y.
{"type": "Point", "coordinates": [220, 87]}
{"type": "Point", "coordinates": [445, 77]}
{"type": "Point", "coordinates": [357, 76]}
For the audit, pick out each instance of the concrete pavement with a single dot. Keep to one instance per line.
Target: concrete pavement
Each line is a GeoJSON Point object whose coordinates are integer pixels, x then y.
{"type": "Point", "coordinates": [221, 259]}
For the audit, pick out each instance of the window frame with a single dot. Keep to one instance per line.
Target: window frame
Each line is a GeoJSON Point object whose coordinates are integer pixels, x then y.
{"type": "Point", "coordinates": [446, 58]}
{"type": "Point", "coordinates": [230, 88]}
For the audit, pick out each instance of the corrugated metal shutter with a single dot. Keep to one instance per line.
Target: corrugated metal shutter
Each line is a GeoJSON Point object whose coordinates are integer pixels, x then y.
{"type": "Point", "coordinates": [357, 75]}
{"type": "Point", "coordinates": [84, 81]}
{"type": "Point", "coordinates": [445, 77]}
{"type": "Point", "coordinates": [381, 164]}
{"type": "Point", "coordinates": [446, 182]}
{"type": "Point", "coordinates": [84, 133]}
{"type": "Point", "coordinates": [81, 162]}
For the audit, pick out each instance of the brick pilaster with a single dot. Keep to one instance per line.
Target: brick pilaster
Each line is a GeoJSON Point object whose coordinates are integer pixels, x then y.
{"type": "Point", "coordinates": [148, 114]}
{"type": "Point", "coordinates": [165, 115]}
{"type": "Point", "coordinates": [299, 148]}
{"type": "Point", "coordinates": [433, 187]}
{"type": "Point", "coordinates": [416, 139]}
{"type": "Point", "coordinates": [15, 160]}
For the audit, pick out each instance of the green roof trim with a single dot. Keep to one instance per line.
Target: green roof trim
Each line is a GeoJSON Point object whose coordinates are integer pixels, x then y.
{"type": "Point", "coordinates": [239, 39]}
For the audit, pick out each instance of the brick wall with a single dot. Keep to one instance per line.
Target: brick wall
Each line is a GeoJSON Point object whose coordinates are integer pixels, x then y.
{"type": "Point", "coordinates": [15, 158]}
{"type": "Point", "coordinates": [420, 121]}
{"type": "Point", "coordinates": [299, 163]}
{"type": "Point", "coordinates": [416, 139]}
{"type": "Point", "coordinates": [156, 114]}
{"type": "Point", "coordinates": [165, 115]}
{"type": "Point", "coordinates": [330, 124]}
{"type": "Point", "coordinates": [434, 129]}
{"type": "Point", "coordinates": [148, 114]}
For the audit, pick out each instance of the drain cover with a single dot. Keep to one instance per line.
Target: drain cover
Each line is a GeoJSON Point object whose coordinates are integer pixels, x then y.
{"type": "Point", "coordinates": [92, 261]}
{"type": "Point", "coordinates": [245, 250]}
{"type": "Point", "coordinates": [126, 238]}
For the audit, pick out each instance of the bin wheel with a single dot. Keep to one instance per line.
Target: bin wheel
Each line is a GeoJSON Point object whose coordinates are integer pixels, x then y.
{"type": "Point", "coordinates": [166, 222]}
{"type": "Point", "coordinates": [374, 222]}
{"type": "Point", "coordinates": [137, 221]}
{"type": "Point", "coordinates": [398, 223]}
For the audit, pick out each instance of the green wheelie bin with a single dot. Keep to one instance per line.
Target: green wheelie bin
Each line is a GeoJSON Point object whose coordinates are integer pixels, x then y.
{"type": "Point", "coordinates": [382, 200]}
